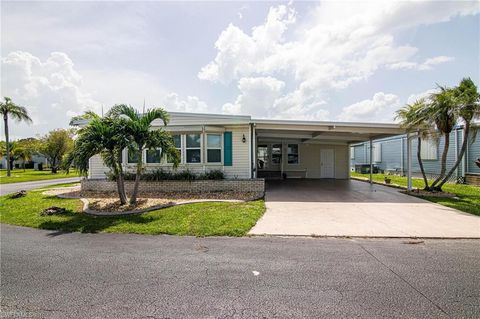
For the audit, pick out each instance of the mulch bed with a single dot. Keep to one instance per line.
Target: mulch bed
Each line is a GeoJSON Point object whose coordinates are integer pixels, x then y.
{"type": "Point", "coordinates": [108, 201]}
{"type": "Point", "coordinates": [113, 204]}
{"type": "Point", "coordinates": [424, 193]}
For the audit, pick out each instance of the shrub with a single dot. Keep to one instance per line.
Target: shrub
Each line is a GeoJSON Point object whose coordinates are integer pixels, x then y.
{"type": "Point", "coordinates": [161, 175]}
{"type": "Point", "coordinates": [214, 174]}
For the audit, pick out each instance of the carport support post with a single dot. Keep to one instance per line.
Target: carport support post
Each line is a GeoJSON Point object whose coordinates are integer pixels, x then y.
{"type": "Point", "coordinates": [409, 162]}
{"type": "Point", "coordinates": [371, 162]}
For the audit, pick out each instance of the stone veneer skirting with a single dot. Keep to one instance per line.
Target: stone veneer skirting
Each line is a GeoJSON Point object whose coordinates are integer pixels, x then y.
{"type": "Point", "coordinates": [197, 186]}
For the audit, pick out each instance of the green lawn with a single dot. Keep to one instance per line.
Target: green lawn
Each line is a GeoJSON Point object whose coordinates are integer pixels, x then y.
{"type": "Point", "coordinates": [18, 175]}
{"type": "Point", "coordinates": [200, 219]}
{"type": "Point", "coordinates": [468, 195]}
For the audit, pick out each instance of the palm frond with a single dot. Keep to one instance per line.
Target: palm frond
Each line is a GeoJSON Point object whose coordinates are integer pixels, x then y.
{"type": "Point", "coordinates": [14, 111]}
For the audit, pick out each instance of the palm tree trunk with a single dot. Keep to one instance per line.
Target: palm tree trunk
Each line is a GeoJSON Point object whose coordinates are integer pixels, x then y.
{"type": "Point", "coordinates": [133, 199]}
{"type": "Point", "coordinates": [121, 189]}
{"type": "Point", "coordinates": [444, 163]}
{"type": "Point", "coordinates": [5, 120]}
{"type": "Point", "coordinates": [118, 171]}
{"type": "Point", "coordinates": [420, 162]}
{"type": "Point", "coordinates": [460, 156]}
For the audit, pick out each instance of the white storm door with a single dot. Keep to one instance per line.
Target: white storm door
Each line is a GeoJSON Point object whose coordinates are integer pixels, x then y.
{"type": "Point", "coordinates": [327, 163]}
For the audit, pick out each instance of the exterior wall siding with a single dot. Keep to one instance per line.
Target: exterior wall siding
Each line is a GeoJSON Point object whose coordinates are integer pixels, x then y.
{"type": "Point", "coordinates": [392, 159]}
{"type": "Point", "coordinates": [240, 153]}
{"type": "Point", "coordinates": [309, 160]}
{"type": "Point", "coordinates": [472, 154]}
{"type": "Point", "coordinates": [97, 168]}
{"type": "Point", "coordinates": [240, 160]}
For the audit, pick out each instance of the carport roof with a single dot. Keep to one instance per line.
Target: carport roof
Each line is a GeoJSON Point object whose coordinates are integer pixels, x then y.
{"type": "Point", "coordinates": [321, 131]}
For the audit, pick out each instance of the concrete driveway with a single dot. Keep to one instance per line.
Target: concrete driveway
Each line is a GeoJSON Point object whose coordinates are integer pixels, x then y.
{"type": "Point", "coordinates": [354, 208]}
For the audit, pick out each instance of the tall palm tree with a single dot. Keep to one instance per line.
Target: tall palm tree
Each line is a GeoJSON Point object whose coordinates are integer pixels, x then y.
{"type": "Point", "coordinates": [467, 108]}
{"type": "Point", "coordinates": [16, 112]}
{"type": "Point", "coordinates": [441, 113]}
{"type": "Point", "coordinates": [139, 127]}
{"type": "Point", "coordinates": [107, 137]}
{"type": "Point", "coordinates": [413, 118]}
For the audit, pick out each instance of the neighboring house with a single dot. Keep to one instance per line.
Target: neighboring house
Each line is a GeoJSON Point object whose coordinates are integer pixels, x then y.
{"type": "Point", "coordinates": [390, 154]}
{"type": "Point", "coordinates": [33, 163]}
{"type": "Point", "coordinates": [245, 148]}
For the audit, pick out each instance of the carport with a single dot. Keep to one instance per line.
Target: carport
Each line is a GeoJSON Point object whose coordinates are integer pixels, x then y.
{"type": "Point", "coordinates": [312, 149]}
{"type": "Point", "coordinates": [351, 208]}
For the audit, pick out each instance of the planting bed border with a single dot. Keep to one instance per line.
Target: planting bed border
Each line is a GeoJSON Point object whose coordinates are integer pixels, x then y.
{"type": "Point", "coordinates": [88, 211]}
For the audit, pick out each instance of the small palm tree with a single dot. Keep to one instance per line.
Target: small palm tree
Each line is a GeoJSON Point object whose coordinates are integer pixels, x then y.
{"type": "Point", "coordinates": [139, 127]}
{"type": "Point", "coordinates": [467, 108]}
{"type": "Point", "coordinates": [16, 112]}
{"type": "Point", "coordinates": [413, 118]}
{"type": "Point", "coordinates": [22, 153]}
{"type": "Point", "coordinates": [106, 137]}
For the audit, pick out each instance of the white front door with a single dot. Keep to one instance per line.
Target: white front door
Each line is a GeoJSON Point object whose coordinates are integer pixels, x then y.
{"type": "Point", "coordinates": [327, 163]}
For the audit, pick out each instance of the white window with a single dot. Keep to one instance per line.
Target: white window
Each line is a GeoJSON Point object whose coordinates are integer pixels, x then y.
{"type": "Point", "coordinates": [352, 153]}
{"type": "Point", "coordinates": [292, 153]}
{"type": "Point", "coordinates": [429, 149]}
{"type": "Point", "coordinates": [193, 149]}
{"type": "Point", "coordinates": [377, 152]}
{"type": "Point", "coordinates": [214, 148]}
{"type": "Point", "coordinates": [177, 139]}
{"type": "Point", "coordinates": [153, 156]}
{"type": "Point", "coordinates": [132, 155]}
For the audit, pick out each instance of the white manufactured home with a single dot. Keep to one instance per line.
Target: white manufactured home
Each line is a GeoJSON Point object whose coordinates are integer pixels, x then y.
{"type": "Point", "coordinates": [245, 148]}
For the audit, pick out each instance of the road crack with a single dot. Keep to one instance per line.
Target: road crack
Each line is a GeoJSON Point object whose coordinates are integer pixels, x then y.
{"type": "Point", "coordinates": [404, 280]}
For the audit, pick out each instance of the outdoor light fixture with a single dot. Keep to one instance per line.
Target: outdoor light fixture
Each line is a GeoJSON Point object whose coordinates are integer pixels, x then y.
{"type": "Point", "coordinates": [244, 139]}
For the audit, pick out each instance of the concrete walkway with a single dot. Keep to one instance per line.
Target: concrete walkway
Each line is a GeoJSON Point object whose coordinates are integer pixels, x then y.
{"type": "Point", "coordinates": [15, 187]}
{"type": "Point", "coordinates": [354, 208]}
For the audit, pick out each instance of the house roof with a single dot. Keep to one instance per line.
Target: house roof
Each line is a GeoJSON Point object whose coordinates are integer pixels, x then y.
{"type": "Point", "coordinates": [311, 131]}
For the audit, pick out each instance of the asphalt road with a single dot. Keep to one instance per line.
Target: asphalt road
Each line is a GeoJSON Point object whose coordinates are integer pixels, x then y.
{"type": "Point", "coordinates": [55, 275]}
{"type": "Point", "coordinates": [15, 187]}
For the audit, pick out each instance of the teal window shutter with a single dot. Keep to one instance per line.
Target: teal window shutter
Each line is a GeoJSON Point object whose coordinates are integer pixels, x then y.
{"type": "Point", "coordinates": [227, 149]}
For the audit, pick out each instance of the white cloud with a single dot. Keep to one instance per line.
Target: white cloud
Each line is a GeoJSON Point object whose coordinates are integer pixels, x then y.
{"type": "Point", "coordinates": [50, 89]}
{"type": "Point", "coordinates": [257, 96]}
{"type": "Point", "coordinates": [422, 95]}
{"type": "Point", "coordinates": [172, 102]}
{"type": "Point", "coordinates": [338, 45]}
{"type": "Point", "coordinates": [426, 65]}
{"type": "Point", "coordinates": [429, 63]}
{"type": "Point", "coordinates": [377, 109]}
{"type": "Point", "coordinates": [54, 91]}
{"type": "Point", "coordinates": [239, 53]}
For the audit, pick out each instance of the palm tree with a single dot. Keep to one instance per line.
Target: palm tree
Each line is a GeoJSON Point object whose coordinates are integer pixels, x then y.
{"type": "Point", "coordinates": [441, 113]}
{"type": "Point", "coordinates": [467, 108]}
{"type": "Point", "coordinates": [16, 112]}
{"type": "Point", "coordinates": [139, 127]}
{"type": "Point", "coordinates": [105, 136]}
{"type": "Point", "coordinates": [413, 118]}
{"type": "Point", "coordinates": [22, 153]}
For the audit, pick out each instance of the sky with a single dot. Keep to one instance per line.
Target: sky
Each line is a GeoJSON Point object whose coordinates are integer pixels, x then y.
{"type": "Point", "coordinates": [338, 61]}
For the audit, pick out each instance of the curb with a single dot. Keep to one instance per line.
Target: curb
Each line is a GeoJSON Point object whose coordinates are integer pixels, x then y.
{"type": "Point", "coordinates": [356, 237]}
